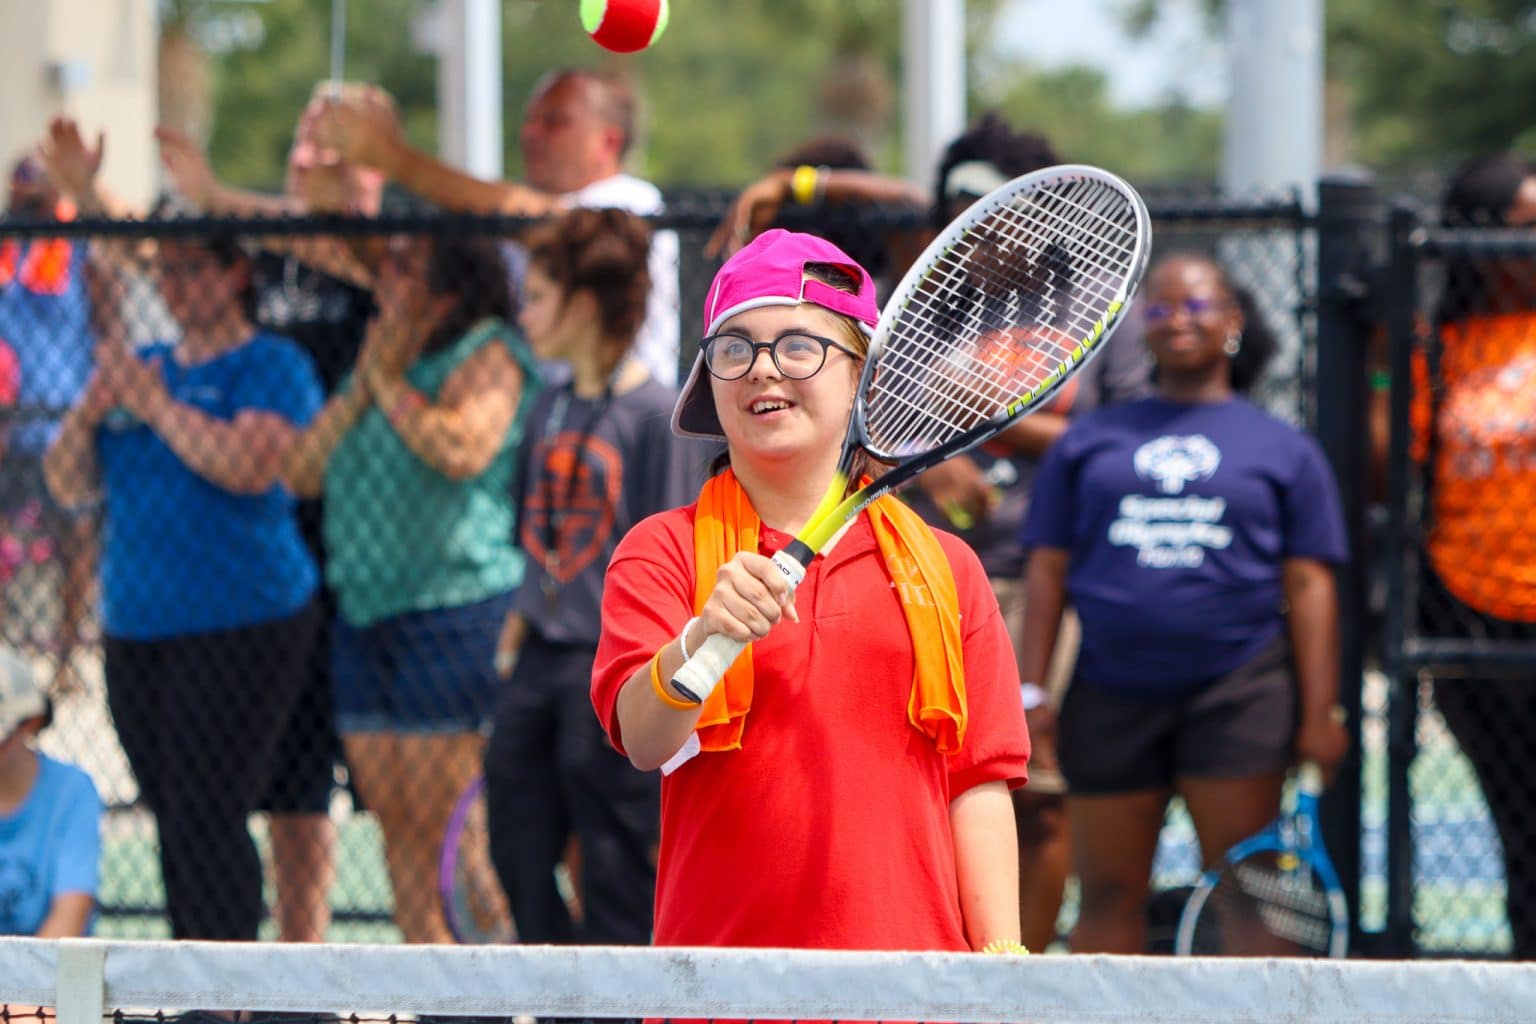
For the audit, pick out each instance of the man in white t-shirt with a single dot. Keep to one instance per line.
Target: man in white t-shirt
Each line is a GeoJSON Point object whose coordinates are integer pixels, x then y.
{"type": "Point", "coordinates": [576, 131]}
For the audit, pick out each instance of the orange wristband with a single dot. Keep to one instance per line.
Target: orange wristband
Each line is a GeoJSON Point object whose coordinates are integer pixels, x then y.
{"type": "Point", "coordinates": [661, 688]}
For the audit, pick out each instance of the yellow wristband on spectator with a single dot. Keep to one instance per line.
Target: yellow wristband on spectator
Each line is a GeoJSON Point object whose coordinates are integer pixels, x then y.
{"type": "Point", "coordinates": [802, 184]}
{"type": "Point", "coordinates": [1006, 946]}
{"type": "Point", "coordinates": [660, 687]}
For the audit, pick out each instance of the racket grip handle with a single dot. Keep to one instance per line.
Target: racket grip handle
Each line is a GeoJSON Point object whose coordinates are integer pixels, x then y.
{"type": "Point", "coordinates": [1309, 778]}
{"type": "Point", "coordinates": [701, 673]}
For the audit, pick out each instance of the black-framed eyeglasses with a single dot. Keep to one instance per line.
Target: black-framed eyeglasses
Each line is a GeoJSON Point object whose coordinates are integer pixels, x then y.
{"type": "Point", "coordinates": [795, 355]}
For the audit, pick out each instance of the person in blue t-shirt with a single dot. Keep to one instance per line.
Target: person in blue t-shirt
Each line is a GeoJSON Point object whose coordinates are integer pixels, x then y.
{"type": "Point", "coordinates": [1196, 537]}
{"type": "Point", "coordinates": [50, 820]}
{"type": "Point", "coordinates": [208, 592]}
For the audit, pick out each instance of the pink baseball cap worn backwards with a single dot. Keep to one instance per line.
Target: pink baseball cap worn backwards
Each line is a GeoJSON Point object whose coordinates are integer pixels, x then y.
{"type": "Point", "coordinates": [769, 271]}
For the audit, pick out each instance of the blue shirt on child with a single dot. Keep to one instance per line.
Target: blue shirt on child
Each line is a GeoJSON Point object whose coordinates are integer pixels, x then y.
{"type": "Point", "coordinates": [50, 846]}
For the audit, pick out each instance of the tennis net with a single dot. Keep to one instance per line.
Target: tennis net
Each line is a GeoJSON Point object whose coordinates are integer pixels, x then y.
{"type": "Point", "coordinates": [88, 981]}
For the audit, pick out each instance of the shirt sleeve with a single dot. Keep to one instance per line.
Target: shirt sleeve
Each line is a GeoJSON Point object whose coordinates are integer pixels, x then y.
{"type": "Point", "coordinates": [647, 599]}
{"type": "Point", "coordinates": [1314, 517]}
{"type": "Point", "coordinates": [281, 379]}
{"type": "Point", "coordinates": [79, 849]}
{"type": "Point", "coordinates": [996, 746]}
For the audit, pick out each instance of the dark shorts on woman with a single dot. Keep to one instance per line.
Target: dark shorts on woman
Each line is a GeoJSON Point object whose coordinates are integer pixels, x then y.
{"type": "Point", "coordinates": [420, 672]}
{"type": "Point", "coordinates": [1239, 725]}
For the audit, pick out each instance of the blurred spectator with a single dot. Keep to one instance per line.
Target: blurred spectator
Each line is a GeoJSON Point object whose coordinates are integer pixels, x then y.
{"type": "Point", "coordinates": [1476, 433]}
{"type": "Point", "coordinates": [984, 495]}
{"type": "Point", "coordinates": [50, 820]}
{"type": "Point", "coordinates": [317, 291]}
{"type": "Point", "coordinates": [600, 457]}
{"type": "Point", "coordinates": [301, 832]}
{"type": "Point", "coordinates": [207, 590]}
{"type": "Point", "coordinates": [576, 133]}
{"type": "Point", "coordinates": [45, 320]}
{"type": "Point", "coordinates": [415, 456]}
{"type": "Point", "coordinates": [1196, 537]}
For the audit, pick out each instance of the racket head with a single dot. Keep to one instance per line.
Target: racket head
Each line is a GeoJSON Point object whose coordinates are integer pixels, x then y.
{"type": "Point", "coordinates": [1269, 901]}
{"type": "Point", "coordinates": [474, 906]}
{"type": "Point", "coordinates": [1013, 296]}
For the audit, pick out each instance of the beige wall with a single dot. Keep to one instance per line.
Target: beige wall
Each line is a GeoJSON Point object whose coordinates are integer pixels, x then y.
{"type": "Point", "coordinates": [114, 42]}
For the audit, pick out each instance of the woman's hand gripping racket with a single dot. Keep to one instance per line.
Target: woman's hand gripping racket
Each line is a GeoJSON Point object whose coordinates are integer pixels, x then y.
{"type": "Point", "coordinates": [1011, 299]}
{"type": "Point", "coordinates": [1275, 893]}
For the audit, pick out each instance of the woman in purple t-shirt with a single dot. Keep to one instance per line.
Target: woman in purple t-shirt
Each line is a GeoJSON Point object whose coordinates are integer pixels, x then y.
{"type": "Point", "coordinates": [1195, 535]}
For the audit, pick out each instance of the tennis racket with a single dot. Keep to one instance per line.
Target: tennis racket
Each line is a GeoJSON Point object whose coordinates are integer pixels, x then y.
{"type": "Point", "coordinates": [1275, 894]}
{"type": "Point", "coordinates": [1011, 299]}
{"type": "Point", "coordinates": [474, 906]}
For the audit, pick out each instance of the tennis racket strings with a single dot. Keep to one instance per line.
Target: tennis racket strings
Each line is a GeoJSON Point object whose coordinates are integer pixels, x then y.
{"type": "Point", "coordinates": [1002, 313]}
{"type": "Point", "coordinates": [1269, 904]}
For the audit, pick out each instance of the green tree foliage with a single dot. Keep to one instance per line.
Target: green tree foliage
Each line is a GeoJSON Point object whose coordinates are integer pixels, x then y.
{"type": "Point", "coordinates": [1072, 108]}
{"type": "Point", "coordinates": [1421, 82]}
{"type": "Point", "coordinates": [1434, 80]}
{"type": "Point", "coordinates": [259, 91]}
{"type": "Point", "coordinates": [730, 88]}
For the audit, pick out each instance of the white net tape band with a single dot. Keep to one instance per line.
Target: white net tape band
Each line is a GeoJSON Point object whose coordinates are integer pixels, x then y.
{"type": "Point", "coordinates": [769, 984]}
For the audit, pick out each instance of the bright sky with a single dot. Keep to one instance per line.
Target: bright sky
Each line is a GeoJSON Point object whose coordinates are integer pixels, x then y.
{"type": "Point", "coordinates": [1177, 58]}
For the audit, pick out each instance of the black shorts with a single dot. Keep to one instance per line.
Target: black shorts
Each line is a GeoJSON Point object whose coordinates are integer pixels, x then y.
{"type": "Point", "coordinates": [308, 751]}
{"type": "Point", "coordinates": [1242, 724]}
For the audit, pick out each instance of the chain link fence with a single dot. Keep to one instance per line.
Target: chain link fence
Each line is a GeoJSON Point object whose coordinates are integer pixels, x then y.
{"type": "Point", "coordinates": [128, 558]}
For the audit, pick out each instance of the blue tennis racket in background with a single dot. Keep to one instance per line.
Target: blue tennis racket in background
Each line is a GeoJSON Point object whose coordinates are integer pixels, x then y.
{"type": "Point", "coordinates": [1275, 893]}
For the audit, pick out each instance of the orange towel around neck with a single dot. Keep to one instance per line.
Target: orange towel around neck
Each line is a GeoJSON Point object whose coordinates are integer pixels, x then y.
{"type": "Point", "coordinates": [726, 523]}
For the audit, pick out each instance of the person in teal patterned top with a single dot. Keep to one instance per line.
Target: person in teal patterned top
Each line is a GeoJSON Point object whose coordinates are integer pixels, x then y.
{"type": "Point", "coordinates": [415, 456]}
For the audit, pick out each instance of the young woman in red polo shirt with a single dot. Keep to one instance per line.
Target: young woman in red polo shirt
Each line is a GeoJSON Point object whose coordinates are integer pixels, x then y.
{"type": "Point", "coordinates": [846, 786]}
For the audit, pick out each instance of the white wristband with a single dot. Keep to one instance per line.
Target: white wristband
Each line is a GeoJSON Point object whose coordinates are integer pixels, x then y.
{"type": "Point", "coordinates": [1033, 695]}
{"type": "Point", "coordinates": [682, 641]}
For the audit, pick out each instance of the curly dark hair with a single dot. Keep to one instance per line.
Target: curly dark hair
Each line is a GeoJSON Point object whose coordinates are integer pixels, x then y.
{"type": "Point", "coordinates": [472, 269]}
{"type": "Point", "coordinates": [604, 252]}
{"type": "Point", "coordinates": [991, 139]}
{"type": "Point", "coordinates": [1259, 341]}
{"type": "Point", "coordinates": [1479, 195]}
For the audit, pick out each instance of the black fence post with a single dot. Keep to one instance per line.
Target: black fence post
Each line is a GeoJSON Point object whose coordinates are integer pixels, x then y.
{"type": "Point", "coordinates": [1400, 301]}
{"type": "Point", "coordinates": [1348, 221]}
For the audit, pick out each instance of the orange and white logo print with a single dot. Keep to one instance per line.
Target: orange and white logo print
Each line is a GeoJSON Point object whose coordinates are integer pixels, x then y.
{"type": "Point", "coordinates": [577, 492]}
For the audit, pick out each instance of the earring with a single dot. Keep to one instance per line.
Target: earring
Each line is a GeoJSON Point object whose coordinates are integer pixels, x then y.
{"type": "Point", "coordinates": [1234, 343]}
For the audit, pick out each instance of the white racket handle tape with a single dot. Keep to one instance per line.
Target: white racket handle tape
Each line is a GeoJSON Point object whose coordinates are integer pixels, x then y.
{"type": "Point", "coordinates": [701, 673]}
{"type": "Point", "coordinates": [1309, 778]}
